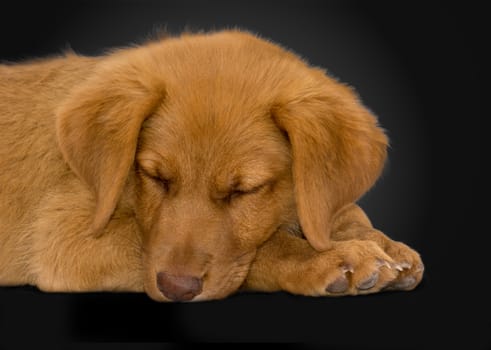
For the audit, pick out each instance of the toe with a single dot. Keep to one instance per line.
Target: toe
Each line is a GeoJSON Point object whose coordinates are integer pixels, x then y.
{"type": "Point", "coordinates": [404, 283]}
{"type": "Point", "coordinates": [368, 282]}
{"type": "Point", "coordinates": [339, 285]}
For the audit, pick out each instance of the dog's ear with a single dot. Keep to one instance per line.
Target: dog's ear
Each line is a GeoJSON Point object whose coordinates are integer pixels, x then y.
{"type": "Point", "coordinates": [338, 151]}
{"type": "Point", "coordinates": [98, 128]}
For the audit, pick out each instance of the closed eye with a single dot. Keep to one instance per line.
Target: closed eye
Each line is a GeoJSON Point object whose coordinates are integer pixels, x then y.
{"type": "Point", "coordinates": [155, 177]}
{"type": "Point", "coordinates": [239, 192]}
{"type": "Point", "coordinates": [163, 183]}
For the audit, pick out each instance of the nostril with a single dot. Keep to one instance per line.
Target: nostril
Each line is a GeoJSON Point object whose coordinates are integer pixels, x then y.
{"type": "Point", "coordinates": [179, 287]}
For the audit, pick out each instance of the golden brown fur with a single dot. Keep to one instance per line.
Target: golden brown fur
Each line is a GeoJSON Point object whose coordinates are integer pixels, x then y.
{"type": "Point", "coordinates": [195, 159]}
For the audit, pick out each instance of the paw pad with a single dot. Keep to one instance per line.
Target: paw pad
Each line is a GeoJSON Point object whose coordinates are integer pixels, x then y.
{"type": "Point", "coordinates": [368, 282]}
{"type": "Point", "coordinates": [339, 285]}
{"type": "Point", "coordinates": [404, 283]}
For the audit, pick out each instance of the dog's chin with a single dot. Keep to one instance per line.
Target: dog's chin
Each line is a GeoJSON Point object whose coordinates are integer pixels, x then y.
{"type": "Point", "coordinates": [221, 290]}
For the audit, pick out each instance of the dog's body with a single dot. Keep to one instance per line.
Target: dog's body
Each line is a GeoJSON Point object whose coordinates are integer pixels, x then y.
{"type": "Point", "coordinates": [185, 168]}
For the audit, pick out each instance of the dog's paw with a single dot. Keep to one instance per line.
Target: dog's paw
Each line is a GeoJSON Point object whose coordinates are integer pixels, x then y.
{"type": "Point", "coordinates": [349, 268]}
{"type": "Point", "coordinates": [408, 264]}
{"type": "Point", "coordinates": [364, 268]}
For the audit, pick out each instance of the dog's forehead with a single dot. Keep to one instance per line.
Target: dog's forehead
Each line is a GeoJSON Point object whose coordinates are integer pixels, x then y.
{"type": "Point", "coordinates": [222, 87]}
{"type": "Point", "coordinates": [216, 139]}
{"type": "Point", "coordinates": [212, 129]}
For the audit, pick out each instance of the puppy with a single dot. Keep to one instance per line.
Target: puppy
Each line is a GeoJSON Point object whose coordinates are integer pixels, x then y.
{"type": "Point", "coordinates": [190, 168]}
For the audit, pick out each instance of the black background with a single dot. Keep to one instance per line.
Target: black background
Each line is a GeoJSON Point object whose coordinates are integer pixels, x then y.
{"type": "Point", "coordinates": [417, 66]}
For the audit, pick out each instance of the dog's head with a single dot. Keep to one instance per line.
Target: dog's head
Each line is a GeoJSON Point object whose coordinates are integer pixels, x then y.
{"type": "Point", "coordinates": [222, 139]}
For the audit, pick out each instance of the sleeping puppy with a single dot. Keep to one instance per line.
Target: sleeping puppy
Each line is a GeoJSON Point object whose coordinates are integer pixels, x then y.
{"type": "Point", "coordinates": [191, 168]}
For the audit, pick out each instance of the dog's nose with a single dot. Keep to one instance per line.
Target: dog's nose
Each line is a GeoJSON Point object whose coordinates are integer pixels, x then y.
{"type": "Point", "coordinates": [179, 287]}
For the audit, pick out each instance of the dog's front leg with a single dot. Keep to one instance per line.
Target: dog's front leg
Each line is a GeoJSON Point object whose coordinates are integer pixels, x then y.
{"type": "Point", "coordinates": [362, 260]}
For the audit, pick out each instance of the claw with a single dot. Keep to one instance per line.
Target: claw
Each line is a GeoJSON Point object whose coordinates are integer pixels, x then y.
{"type": "Point", "coordinates": [402, 266]}
{"type": "Point", "coordinates": [405, 265]}
{"type": "Point", "coordinates": [347, 268]}
{"type": "Point", "coordinates": [382, 262]}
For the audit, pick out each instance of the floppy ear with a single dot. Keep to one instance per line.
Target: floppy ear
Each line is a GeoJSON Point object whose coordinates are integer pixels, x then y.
{"type": "Point", "coordinates": [98, 127]}
{"type": "Point", "coordinates": [338, 152]}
